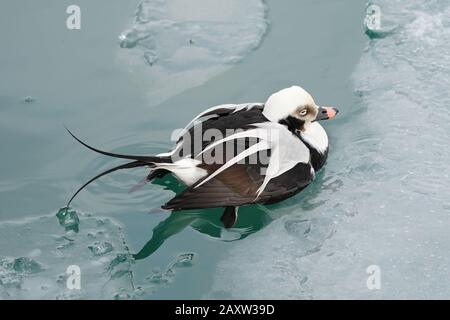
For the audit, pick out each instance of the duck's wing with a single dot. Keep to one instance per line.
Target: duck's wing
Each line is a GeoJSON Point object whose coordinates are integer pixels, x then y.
{"type": "Point", "coordinates": [238, 185]}
{"type": "Point", "coordinates": [220, 119]}
{"type": "Point", "coordinates": [219, 110]}
{"type": "Point", "coordinates": [235, 183]}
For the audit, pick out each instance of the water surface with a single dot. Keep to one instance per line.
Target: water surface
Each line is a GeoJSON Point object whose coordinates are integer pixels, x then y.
{"type": "Point", "coordinates": [130, 76]}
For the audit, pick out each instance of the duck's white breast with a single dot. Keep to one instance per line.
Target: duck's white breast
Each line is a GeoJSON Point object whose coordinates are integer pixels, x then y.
{"type": "Point", "coordinates": [316, 136]}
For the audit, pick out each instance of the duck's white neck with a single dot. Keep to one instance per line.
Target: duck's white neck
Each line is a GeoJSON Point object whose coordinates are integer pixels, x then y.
{"type": "Point", "coordinates": [316, 136]}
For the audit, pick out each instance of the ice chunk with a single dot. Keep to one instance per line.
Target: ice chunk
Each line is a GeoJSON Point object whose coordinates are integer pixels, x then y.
{"type": "Point", "coordinates": [9, 278]}
{"type": "Point", "coordinates": [101, 247]}
{"type": "Point", "coordinates": [41, 273]}
{"type": "Point", "coordinates": [27, 265]}
{"type": "Point", "coordinates": [156, 277]}
{"type": "Point", "coordinates": [122, 296]}
{"type": "Point", "coordinates": [68, 219]}
{"type": "Point", "coordinates": [184, 260]}
{"type": "Point", "coordinates": [98, 249]}
{"type": "Point", "coordinates": [376, 26]}
{"type": "Point", "coordinates": [186, 43]}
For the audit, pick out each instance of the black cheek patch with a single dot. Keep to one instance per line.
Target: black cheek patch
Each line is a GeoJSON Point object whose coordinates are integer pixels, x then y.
{"type": "Point", "coordinates": [292, 123]}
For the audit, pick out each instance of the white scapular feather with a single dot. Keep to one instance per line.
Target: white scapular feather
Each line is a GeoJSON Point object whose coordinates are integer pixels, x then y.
{"type": "Point", "coordinates": [262, 145]}
{"type": "Point", "coordinates": [287, 150]}
{"type": "Point", "coordinates": [252, 133]}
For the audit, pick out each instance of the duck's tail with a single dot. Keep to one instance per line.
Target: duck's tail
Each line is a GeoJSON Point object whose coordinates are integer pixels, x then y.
{"type": "Point", "coordinates": [144, 159]}
{"type": "Point", "coordinates": [138, 161]}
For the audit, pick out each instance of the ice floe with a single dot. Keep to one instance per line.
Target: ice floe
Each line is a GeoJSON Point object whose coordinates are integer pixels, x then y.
{"type": "Point", "coordinates": [181, 44]}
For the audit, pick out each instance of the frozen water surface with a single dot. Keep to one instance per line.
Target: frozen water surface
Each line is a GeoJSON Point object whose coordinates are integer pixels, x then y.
{"type": "Point", "coordinates": [35, 267]}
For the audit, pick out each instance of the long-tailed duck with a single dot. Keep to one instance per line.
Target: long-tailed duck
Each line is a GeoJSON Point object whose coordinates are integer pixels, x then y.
{"type": "Point", "coordinates": [238, 154]}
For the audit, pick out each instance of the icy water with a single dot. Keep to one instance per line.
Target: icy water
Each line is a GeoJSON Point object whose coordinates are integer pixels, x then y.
{"type": "Point", "coordinates": [137, 70]}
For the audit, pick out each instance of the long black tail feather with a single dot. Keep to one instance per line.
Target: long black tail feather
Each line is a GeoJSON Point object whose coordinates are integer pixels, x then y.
{"type": "Point", "coordinates": [128, 165]}
{"type": "Point", "coordinates": [139, 161]}
{"type": "Point", "coordinates": [146, 159]}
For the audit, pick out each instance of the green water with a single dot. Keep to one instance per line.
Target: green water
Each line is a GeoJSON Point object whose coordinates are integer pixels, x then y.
{"type": "Point", "coordinates": [75, 78]}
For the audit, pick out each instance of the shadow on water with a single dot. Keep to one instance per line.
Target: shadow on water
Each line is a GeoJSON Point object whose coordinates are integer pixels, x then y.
{"type": "Point", "coordinates": [251, 218]}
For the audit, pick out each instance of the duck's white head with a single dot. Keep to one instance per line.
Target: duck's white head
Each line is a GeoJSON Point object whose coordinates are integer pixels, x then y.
{"type": "Point", "coordinates": [295, 107]}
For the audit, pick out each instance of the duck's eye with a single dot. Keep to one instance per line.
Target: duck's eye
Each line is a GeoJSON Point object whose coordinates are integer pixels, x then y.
{"type": "Point", "coordinates": [303, 112]}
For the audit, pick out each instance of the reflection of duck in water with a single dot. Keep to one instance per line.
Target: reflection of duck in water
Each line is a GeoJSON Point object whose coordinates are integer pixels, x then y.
{"type": "Point", "coordinates": [251, 219]}
{"type": "Point", "coordinates": [207, 221]}
{"type": "Point", "coordinates": [234, 155]}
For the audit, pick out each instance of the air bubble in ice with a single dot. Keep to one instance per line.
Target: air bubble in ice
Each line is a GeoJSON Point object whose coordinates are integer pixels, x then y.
{"type": "Point", "coordinates": [27, 265]}
{"type": "Point", "coordinates": [374, 26]}
{"type": "Point", "coordinates": [28, 99]}
{"type": "Point", "coordinates": [150, 57]}
{"type": "Point", "coordinates": [120, 274]}
{"type": "Point", "coordinates": [156, 277]}
{"type": "Point", "coordinates": [298, 226]}
{"type": "Point", "coordinates": [129, 39]}
{"type": "Point", "coordinates": [72, 295]}
{"type": "Point", "coordinates": [184, 260]}
{"type": "Point", "coordinates": [8, 277]}
{"type": "Point", "coordinates": [99, 248]}
{"type": "Point", "coordinates": [122, 296]}
{"type": "Point", "coordinates": [119, 259]}
{"type": "Point", "coordinates": [61, 278]}
{"type": "Point", "coordinates": [139, 291]}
